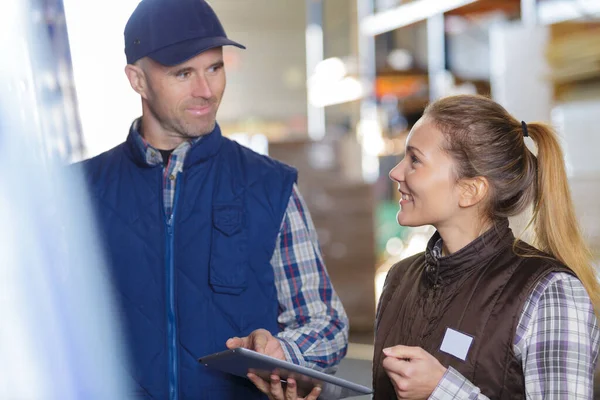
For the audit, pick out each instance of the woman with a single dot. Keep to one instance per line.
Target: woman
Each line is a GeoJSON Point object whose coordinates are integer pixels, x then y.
{"type": "Point", "coordinates": [481, 314]}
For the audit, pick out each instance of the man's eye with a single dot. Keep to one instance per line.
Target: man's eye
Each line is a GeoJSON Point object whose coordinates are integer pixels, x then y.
{"type": "Point", "coordinates": [183, 74]}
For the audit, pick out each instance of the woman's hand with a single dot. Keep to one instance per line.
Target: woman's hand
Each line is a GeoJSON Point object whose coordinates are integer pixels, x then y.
{"type": "Point", "coordinates": [414, 372]}
{"type": "Point", "coordinates": [275, 391]}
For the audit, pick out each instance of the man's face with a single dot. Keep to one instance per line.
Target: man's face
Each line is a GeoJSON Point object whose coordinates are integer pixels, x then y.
{"type": "Point", "coordinates": [184, 99]}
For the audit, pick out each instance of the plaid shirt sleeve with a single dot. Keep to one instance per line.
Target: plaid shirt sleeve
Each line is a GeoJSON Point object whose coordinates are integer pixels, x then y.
{"type": "Point", "coordinates": [312, 321]}
{"type": "Point", "coordinates": [557, 340]}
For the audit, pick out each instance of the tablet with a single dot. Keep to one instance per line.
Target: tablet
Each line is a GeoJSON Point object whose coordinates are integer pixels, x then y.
{"type": "Point", "coordinates": [240, 361]}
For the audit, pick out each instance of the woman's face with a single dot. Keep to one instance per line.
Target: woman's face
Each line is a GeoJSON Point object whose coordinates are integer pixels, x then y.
{"type": "Point", "coordinates": [426, 179]}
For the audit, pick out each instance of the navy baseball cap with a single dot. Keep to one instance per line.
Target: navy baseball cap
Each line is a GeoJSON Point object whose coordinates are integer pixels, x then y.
{"type": "Point", "coordinates": [173, 31]}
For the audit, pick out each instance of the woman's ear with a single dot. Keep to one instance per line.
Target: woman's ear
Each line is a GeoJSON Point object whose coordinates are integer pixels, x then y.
{"type": "Point", "coordinates": [473, 191]}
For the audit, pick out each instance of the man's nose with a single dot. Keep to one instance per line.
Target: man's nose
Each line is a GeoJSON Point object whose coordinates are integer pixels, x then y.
{"type": "Point", "coordinates": [201, 88]}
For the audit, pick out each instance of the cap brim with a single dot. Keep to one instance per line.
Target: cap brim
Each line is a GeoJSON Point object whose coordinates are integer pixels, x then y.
{"type": "Point", "coordinates": [180, 52]}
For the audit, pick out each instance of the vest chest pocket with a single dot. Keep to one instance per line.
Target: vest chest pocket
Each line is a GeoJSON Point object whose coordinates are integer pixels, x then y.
{"type": "Point", "coordinates": [229, 249]}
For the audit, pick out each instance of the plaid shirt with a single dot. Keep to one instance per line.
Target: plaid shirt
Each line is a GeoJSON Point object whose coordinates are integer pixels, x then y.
{"type": "Point", "coordinates": [557, 342]}
{"type": "Point", "coordinates": [312, 321]}
{"type": "Point", "coordinates": [170, 171]}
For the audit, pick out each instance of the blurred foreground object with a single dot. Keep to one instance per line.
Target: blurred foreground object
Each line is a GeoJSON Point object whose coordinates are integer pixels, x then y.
{"type": "Point", "coordinates": [59, 337]}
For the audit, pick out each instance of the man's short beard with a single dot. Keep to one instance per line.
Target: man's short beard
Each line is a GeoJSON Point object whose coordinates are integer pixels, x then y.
{"type": "Point", "coordinates": [179, 129]}
{"type": "Point", "coordinates": [183, 133]}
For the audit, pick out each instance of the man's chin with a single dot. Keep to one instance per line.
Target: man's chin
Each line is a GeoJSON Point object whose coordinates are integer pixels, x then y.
{"type": "Point", "coordinates": [207, 130]}
{"type": "Point", "coordinates": [200, 130]}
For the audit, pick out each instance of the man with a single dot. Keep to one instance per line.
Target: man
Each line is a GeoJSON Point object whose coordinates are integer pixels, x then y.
{"type": "Point", "coordinates": [210, 244]}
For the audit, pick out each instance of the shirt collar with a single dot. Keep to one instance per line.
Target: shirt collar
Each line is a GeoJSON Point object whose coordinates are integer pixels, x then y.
{"type": "Point", "coordinates": [440, 268]}
{"type": "Point", "coordinates": [151, 154]}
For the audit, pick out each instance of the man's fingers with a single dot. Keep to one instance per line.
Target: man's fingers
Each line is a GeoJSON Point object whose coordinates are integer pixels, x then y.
{"type": "Point", "coordinates": [233, 343]}
{"type": "Point", "coordinates": [259, 342]}
{"type": "Point", "coordinates": [403, 352]}
{"type": "Point", "coordinates": [275, 387]}
{"type": "Point", "coordinates": [314, 394]}
{"type": "Point", "coordinates": [236, 342]}
{"type": "Point", "coordinates": [291, 392]}
{"type": "Point", "coordinates": [259, 383]}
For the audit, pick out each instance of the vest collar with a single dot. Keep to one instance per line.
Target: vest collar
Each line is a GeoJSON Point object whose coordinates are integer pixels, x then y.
{"type": "Point", "coordinates": [445, 270]}
{"type": "Point", "coordinates": [199, 150]}
{"type": "Point", "coordinates": [204, 149]}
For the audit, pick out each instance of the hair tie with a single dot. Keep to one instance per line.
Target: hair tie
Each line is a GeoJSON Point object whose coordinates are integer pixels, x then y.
{"type": "Point", "coordinates": [524, 127]}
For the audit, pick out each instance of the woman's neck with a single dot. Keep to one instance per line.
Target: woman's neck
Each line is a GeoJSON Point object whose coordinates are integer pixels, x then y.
{"type": "Point", "coordinates": [456, 237]}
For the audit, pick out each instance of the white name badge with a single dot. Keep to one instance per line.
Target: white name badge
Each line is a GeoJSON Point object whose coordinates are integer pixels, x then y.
{"type": "Point", "coordinates": [456, 343]}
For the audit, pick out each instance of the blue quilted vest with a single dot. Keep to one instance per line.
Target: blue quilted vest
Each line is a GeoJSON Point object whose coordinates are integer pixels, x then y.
{"type": "Point", "coordinates": [183, 288]}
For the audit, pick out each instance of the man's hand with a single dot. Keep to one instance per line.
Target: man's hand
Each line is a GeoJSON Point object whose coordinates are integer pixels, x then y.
{"type": "Point", "coordinates": [414, 372]}
{"type": "Point", "coordinates": [260, 341]}
{"type": "Point", "coordinates": [275, 391]}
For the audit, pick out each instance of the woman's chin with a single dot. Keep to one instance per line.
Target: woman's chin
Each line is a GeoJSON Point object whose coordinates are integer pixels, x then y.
{"type": "Point", "coordinates": [405, 220]}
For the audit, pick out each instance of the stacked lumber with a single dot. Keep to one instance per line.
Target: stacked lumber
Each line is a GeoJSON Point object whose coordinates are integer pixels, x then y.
{"type": "Point", "coordinates": [574, 57]}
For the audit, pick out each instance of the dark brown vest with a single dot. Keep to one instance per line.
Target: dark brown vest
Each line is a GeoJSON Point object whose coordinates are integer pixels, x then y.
{"type": "Point", "coordinates": [479, 291]}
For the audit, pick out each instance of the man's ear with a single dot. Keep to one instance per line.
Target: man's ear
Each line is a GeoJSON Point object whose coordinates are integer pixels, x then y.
{"type": "Point", "coordinates": [137, 79]}
{"type": "Point", "coordinates": [473, 191]}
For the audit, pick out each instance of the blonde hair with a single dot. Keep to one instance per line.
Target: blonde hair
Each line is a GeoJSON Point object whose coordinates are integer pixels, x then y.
{"type": "Point", "coordinates": [485, 140]}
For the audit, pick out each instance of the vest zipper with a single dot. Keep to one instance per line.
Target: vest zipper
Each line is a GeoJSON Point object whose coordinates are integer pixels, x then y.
{"type": "Point", "coordinates": [431, 292]}
{"type": "Point", "coordinates": [170, 291]}
{"type": "Point", "coordinates": [426, 325]}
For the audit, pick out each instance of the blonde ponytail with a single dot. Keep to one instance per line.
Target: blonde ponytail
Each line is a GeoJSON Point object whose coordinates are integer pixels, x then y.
{"type": "Point", "coordinates": [555, 225]}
